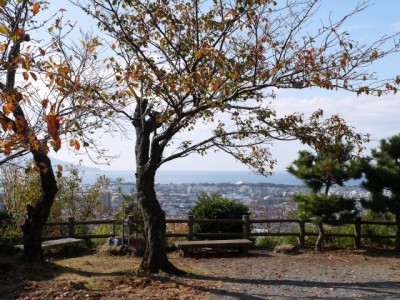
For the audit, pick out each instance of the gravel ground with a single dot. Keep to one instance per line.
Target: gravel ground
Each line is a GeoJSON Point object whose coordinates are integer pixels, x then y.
{"type": "Point", "coordinates": [262, 274]}
{"type": "Point", "coordinates": [346, 274]}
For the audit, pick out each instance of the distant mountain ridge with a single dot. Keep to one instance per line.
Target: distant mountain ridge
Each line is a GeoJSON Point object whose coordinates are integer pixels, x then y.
{"type": "Point", "coordinates": [55, 162]}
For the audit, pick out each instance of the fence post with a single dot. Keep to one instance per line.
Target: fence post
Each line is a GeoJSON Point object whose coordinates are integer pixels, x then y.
{"type": "Point", "coordinates": [357, 232]}
{"type": "Point", "coordinates": [71, 227]}
{"type": "Point", "coordinates": [302, 240]}
{"type": "Point", "coordinates": [123, 231]}
{"type": "Point", "coordinates": [246, 226]}
{"type": "Point", "coordinates": [190, 227]}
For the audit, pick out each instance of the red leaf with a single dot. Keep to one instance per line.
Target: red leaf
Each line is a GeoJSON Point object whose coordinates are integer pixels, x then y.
{"type": "Point", "coordinates": [35, 8]}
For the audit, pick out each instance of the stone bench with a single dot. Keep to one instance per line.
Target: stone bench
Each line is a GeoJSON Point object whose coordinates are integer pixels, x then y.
{"type": "Point", "coordinates": [242, 244]}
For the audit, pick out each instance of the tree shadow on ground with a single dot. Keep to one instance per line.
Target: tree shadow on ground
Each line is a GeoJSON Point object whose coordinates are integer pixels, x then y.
{"type": "Point", "coordinates": [379, 252]}
{"type": "Point", "coordinates": [225, 253]}
{"type": "Point", "coordinates": [375, 289]}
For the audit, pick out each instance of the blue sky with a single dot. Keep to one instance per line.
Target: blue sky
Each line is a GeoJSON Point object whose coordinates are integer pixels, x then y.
{"type": "Point", "coordinates": [377, 116]}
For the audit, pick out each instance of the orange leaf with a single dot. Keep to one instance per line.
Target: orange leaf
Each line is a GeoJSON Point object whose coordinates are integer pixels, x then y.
{"type": "Point", "coordinates": [10, 107]}
{"type": "Point", "coordinates": [6, 151]}
{"type": "Point", "coordinates": [35, 8]}
{"type": "Point", "coordinates": [74, 143]}
{"type": "Point", "coordinates": [26, 75]}
{"type": "Point", "coordinates": [20, 33]}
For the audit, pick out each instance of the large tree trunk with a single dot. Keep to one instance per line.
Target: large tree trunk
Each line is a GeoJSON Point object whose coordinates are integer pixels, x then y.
{"type": "Point", "coordinates": [38, 215]}
{"type": "Point", "coordinates": [321, 234]}
{"type": "Point", "coordinates": [147, 158]}
{"type": "Point", "coordinates": [155, 256]}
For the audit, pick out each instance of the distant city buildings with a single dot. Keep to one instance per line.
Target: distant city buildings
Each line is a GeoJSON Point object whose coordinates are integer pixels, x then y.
{"type": "Point", "coordinates": [267, 200]}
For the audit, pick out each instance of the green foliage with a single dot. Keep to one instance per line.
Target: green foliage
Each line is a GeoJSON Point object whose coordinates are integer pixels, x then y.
{"type": "Point", "coordinates": [21, 187]}
{"type": "Point", "coordinates": [382, 176]}
{"type": "Point", "coordinates": [217, 207]}
{"type": "Point", "coordinates": [323, 209]}
{"type": "Point", "coordinates": [370, 229]}
{"type": "Point", "coordinates": [10, 235]}
{"type": "Point", "coordinates": [130, 207]}
{"type": "Point", "coordinates": [332, 163]}
{"type": "Point", "coordinates": [74, 202]}
{"type": "Point", "coordinates": [272, 241]}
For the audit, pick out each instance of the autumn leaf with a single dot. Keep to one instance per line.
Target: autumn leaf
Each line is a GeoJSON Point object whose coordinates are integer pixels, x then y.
{"type": "Point", "coordinates": [3, 29]}
{"type": "Point", "coordinates": [74, 143]}
{"type": "Point", "coordinates": [33, 75]}
{"type": "Point", "coordinates": [45, 102]}
{"type": "Point", "coordinates": [25, 75]}
{"type": "Point", "coordinates": [20, 33]}
{"type": "Point", "coordinates": [35, 8]}
{"type": "Point", "coordinates": [56, 144]}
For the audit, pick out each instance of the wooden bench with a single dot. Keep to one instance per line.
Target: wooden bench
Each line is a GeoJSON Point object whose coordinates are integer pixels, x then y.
{"type": "Point", "coordinates": [56, 243]}
{"type": "Point", "coordinates": [242, 244]}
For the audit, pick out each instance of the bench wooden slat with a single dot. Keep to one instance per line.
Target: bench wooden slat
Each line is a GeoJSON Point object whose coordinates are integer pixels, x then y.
{"type": "Point", "coordinates": [240, 243]}
{"type": "Point", "coordinates": [56, 243]}
{"type": "Point", "coordinates": [214, 243]}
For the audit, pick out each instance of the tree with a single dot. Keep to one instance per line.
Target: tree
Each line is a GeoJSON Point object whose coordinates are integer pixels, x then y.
{"type": "Point", "coordinates": [40, 103]}
{"type": "Point", "coordinates": [180, 63]}
{"type": "Point", "coordinates": [333, 162]}
{"type": "Point", "coordinates": [78, 203]}
{"type": "Point", "coordinates": [382, 180]}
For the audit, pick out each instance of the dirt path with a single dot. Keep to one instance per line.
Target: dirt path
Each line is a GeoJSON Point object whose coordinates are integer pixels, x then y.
{"type": "Point", "coordinates": [261, 275]}
{"type": "Point", "coordinates": [309, 275]}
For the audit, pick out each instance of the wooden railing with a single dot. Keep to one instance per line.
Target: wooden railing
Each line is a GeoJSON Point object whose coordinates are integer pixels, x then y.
{"type": "Point", "coordinates": [247, 225]}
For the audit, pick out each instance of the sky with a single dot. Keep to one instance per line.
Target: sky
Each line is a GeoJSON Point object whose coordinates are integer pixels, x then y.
{"type": "Point", "coordinates": [376, 116]}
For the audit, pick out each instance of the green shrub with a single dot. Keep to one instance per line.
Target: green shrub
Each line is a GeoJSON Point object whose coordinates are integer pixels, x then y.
{"type": "Point", "coordinates": [217, 207]}
{"type": "Point", "coordinates": [272, 241]}
{"type": "Point", "coordinates": [370, 229]}
{"type": "Point", "coordinates": [10, 235]}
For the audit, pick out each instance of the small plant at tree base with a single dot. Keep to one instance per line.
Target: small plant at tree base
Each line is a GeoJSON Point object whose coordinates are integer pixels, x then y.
{"type": "Point", "coordinates": [382, 176]}
{"type": "Point", "coordinates": [217, 207]}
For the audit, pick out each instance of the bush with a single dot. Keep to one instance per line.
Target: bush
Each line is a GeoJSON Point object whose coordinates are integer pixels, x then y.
{"type": "Point", "coordinates": [272, 241]}
{"type": "Point", "coordinates": [217, 207]}
{"type": "Point", "coordinates": [10, 235]}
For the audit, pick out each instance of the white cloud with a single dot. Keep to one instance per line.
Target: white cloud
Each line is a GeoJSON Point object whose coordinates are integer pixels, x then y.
{"type": "Point", "coordinates": [396, 25]}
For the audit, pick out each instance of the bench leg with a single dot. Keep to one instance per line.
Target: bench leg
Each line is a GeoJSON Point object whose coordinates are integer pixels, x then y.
{"type": "Point", "coordinates": [185, 252]}
{"type": "Point", "coordinates": [245, 250]}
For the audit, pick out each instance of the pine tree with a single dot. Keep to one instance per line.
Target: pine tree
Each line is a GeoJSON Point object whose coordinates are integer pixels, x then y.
{"type": "Point", "coordinates": [382, 180]}
{"type": "Point", "coordinates": [332, 163]}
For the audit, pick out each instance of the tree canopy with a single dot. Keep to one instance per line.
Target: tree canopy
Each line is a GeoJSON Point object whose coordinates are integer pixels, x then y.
{"type": "Point", "coordinates": [44, 100]}
{"type": "Point", "coordinates": [182, 64]}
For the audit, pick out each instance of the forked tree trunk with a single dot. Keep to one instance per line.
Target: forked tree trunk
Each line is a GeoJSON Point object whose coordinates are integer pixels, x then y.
{"type": "Point", "coordinates": [155, 256]}
{"type": "Point", "coordinates": [38, 215]}
{"type": "Point", "coordinates": [320, 239]}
